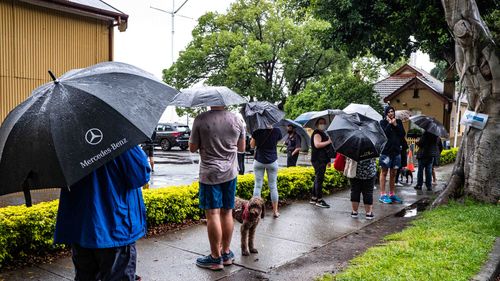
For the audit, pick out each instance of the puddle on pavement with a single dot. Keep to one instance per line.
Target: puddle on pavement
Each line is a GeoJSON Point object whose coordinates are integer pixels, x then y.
{"type": "Point", "coordinates": [415, 208]}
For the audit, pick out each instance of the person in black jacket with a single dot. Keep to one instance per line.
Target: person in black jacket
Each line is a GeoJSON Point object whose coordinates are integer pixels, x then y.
{"type": "Point", "coordinates": [319, 159]}
{"type": "Point", "coordinates": [390, 158]}
{"type": "Point", "coordinates": [149, 148]}
{"type": "Point", "coordinates": [427, 151]}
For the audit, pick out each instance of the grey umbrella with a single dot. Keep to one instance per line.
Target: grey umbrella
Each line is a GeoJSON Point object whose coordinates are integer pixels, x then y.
{"type": "Point", "coordinates": [261, 115]}
{"type": "Point", "coordinates": [207, 96]}
{"type": "Point", "coordinates": [327, 114]}
{"type": "Point", "coordinates": [305, 139]}
{"type": "Point", "coordinates": [71, 126]}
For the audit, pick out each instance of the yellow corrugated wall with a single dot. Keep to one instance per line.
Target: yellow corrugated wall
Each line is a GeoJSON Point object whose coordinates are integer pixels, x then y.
{"type": "Point", "coordinates": [35, 39]}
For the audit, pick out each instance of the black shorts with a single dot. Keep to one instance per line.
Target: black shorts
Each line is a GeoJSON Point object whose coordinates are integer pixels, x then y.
{"type": "Point", "coordinates": [149, 150]}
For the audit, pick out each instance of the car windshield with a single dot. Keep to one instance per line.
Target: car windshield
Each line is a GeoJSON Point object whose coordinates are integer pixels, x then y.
{"type": "Point", "coordinates": [182, 128]}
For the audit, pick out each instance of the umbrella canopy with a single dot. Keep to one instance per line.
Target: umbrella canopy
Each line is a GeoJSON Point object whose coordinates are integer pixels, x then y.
{"type": "Point", "coordinates": [403, 115]}
{"type": "Point", "coordinates": [305, 139]}
{"type": "Point", "coordinates": [363, 109]}
{"type": "Point", "coordinates": [430, 124]}
{"type": "Point", "coordinates": [69, 127]}
{"type": "Point", "coordinates": [207, 96]}
{"type": "Point", "coordinates": [357, 136]}
{"type": "Point", "coordinates": [261, 115]}
{"type": "Point", "coordinates": [327, 114]}
{"type": "Point", "coordinates": [304, 117]}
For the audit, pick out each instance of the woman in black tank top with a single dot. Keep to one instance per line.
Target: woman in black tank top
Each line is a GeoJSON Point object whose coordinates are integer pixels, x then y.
{"type": "Point", "coordinates": [319, 159]}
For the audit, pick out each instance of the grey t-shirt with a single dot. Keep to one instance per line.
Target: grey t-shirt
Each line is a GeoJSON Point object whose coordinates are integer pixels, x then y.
{"type": "Point", "coordinates": [216, 132]}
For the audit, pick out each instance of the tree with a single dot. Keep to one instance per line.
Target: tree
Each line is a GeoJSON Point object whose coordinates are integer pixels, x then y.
{"type": "Point", "coordinates": [258, 49]}
{"type": "Point", "coordinates": [334, 91]}
{"type": "Point", "coordinates": [439, 71]}
{"type": "Point", "coordinates": [391, 29]}
{"type": "Point", "coordinates": [478, 64]}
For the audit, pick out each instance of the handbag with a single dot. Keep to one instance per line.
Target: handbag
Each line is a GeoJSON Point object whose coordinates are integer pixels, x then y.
{"type": "Point", "coordinates": [350, 168]}
{"type": "Point", "coordinates": [339, 163]}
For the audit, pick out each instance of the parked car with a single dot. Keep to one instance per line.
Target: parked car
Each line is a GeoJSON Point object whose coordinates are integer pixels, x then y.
{"type": "Point", "coordinates": [169, 135]}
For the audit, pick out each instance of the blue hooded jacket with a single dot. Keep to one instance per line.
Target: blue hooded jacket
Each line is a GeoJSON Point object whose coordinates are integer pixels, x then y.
{"type": "Point", "coordinates": [394, 134]}
{"type": "Point", "coordinates": [106, 209]}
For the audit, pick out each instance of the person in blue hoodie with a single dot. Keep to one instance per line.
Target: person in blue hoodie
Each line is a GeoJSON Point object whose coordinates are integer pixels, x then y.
{"type": "Point", "coordinates": [102, 215]}
{"type": "Point", "coordinates": [390, 158]}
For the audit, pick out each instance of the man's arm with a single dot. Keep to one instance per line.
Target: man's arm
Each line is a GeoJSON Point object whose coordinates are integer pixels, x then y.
{"type": "Point", "coordinates": [297, 145]}
{"type": "Point", "coordinates": [194, 139]}
{"type": "Point", "coordinates": [242, 144]}
{"type": "Point", "coordinates": [193, 147]}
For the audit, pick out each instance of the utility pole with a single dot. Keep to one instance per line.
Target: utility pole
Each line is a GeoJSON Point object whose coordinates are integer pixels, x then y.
{"type": "Point", "coordinates": [173, 13]}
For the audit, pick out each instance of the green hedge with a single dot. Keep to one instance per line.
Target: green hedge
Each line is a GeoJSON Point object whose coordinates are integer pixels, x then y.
{"type": "Point", "coordinates": [29, 231]}
{"type": "Point", "coordinates": [448, 156]}
{"type": "Point", "coordinates": [450, 243]}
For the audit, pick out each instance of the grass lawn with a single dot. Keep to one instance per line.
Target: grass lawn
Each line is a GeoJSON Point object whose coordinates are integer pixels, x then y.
{"type": "Point", "coordinates": [449, 243]}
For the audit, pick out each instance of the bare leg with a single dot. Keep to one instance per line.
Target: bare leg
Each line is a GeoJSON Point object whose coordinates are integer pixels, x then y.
{"type": "Point", "coordinates": [214, 231]}
{"type": "Point", "coordinates": [152, 163]}
{"type": "Point", "coordinates": [392, 182]}
{"type": "Point", "coordinates": [368, 209]}
{"type": "Point", "coordinates": [275, 209]}
{"type": "Point", "coordinates": [434, 180]}
{"type": "Point", "coordinates": [355, 206]}
{"type": "Point", "coordinates": [383, 176]}
{"type": "Point", "coordinates": [227, 225]}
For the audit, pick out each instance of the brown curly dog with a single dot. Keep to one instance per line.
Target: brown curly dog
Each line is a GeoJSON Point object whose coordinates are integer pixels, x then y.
{"type": "Point", "coordinates": [249, 213]}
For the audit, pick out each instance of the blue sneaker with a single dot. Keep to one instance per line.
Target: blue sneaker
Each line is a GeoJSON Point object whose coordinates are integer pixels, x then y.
{"type": "Point", "coordinates": [210, 262]}
{"type": "Point", "coordinates": [385, 199]}
{"type": "Point", "coordinates": [395, 199]}
{"type": "Point", "coordinates": [227, 259]}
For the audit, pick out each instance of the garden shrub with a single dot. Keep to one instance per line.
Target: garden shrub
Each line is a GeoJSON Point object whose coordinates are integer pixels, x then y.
{"type": "Point", "coordinates": [29, 231]}
{"type": "Point", "coordinates": [448, 156]}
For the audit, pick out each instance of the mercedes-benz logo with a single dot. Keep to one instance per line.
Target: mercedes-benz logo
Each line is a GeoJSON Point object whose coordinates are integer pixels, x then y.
{"type": "Point", "coordinates": [93, 136]}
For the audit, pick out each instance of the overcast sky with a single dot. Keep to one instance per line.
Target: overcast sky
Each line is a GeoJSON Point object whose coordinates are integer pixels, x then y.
{"type": "Point", "coordinates": [147, 41]}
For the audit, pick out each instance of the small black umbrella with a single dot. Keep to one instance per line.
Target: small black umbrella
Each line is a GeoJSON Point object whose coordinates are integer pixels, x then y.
{"type": "Point", "coordinates": [261, 115]}
{"type": "Point", "coordinates": [208, 96]}
{"type": "Point", "coordinates": [357, 136]}
{"type": "Point", "coordinates": [71, 126]}
{"type": "Point", "coordinates": [430, 124]}
{"type": "Point", "coordinates": [305, 139]}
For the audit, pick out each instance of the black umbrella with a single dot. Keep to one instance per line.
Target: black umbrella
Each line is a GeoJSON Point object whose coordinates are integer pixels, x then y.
{"type": "Point", "coordinates": [357, 136]}
{"type": "Point", "coordinates": [73, 125]}
{"type": "Point", "coordinates": [208, 96]}
{"type": "Point", "coordinates": [305, 139]}
{"type": "Point", "coordinates": [430, 124]}
{"type": "Point", "coordinates": [261, 115]}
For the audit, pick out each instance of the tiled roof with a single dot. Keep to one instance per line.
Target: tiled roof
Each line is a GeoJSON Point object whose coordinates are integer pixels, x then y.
{"type": "Point", "coordinates": [390, 85]}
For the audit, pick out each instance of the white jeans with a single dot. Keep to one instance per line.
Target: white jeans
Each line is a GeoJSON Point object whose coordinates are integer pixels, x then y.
{"type": "Point", "coordinates": [272, 178]}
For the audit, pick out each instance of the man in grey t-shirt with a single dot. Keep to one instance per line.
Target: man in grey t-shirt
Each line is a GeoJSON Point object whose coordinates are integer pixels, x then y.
{"type": "Point", "coordinates": [219, 135]}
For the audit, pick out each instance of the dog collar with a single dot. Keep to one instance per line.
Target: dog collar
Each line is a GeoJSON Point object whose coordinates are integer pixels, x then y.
{"type": "Point", "coordinates": [244, 216]}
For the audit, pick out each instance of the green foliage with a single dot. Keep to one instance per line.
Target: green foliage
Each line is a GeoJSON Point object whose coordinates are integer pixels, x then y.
{"type": "Point", "coordinates": [29, 231]}
{"type": "Point", "coordinates": [449, 243]}
{"type": "Point", "coordinates": [334, 91]}
{"type": "Point", "coordinates": [448, 156]}
{"type": "Point", "coordinates": [439, 71]}
{"type": "Point", "coordinates": [390, 29]}
{"type": "Point", "coordinates": [258, 49]}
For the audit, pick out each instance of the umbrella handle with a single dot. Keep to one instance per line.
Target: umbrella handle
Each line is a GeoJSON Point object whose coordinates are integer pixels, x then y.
{"type": "Point", "coordinates": [54, 78]}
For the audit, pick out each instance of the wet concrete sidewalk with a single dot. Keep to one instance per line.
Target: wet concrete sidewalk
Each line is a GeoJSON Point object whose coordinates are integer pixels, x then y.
{"type": "Point", "coordinates": [300, 229]}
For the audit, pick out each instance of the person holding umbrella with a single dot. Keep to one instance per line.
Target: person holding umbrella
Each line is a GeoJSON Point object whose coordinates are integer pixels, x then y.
{"type": "Point", "coordinates": [102, 215]}
{"type": "Point", "coordinates": [260, 118]}
{"type": "Point", "coordinates": [320, 143]}
{"type": "Point", "coordinates": [427, 152]}
{"type": "Point", "coordinates": [390, 158]}
{"type": "Point", "coordinates": [293, 145]}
